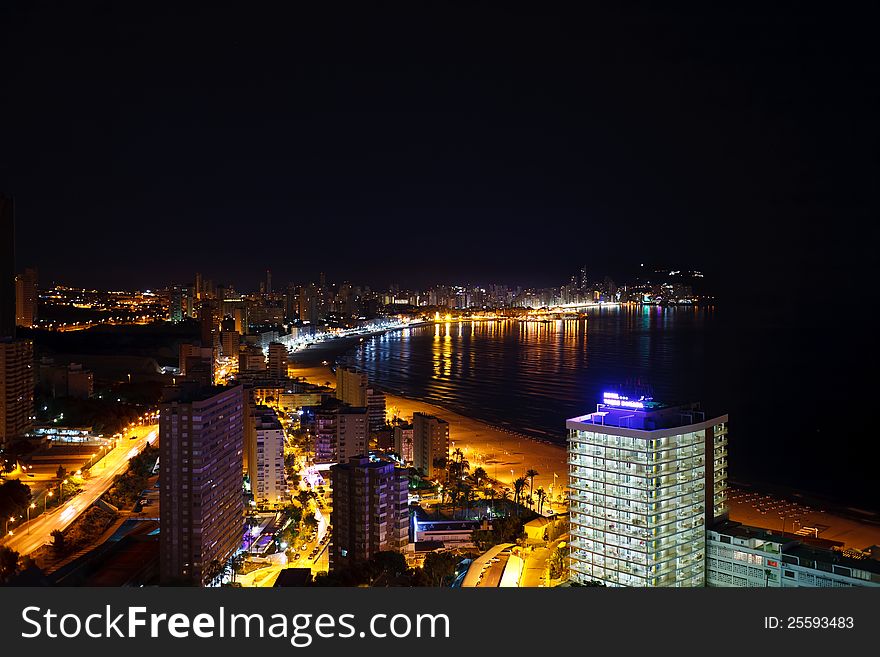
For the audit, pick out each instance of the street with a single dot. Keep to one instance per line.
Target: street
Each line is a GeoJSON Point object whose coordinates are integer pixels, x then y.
{"type": "Point", "coordinates": [25, 540]}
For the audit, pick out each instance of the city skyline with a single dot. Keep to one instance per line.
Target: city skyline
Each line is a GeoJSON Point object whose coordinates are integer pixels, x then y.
{"type": "Point", "coordinates": [615, 140]}
{"type": "Point", "coordinates": [448, 297]}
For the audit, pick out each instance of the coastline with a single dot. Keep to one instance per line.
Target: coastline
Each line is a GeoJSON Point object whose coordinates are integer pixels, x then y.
{"type": "Point", "coordinates": [505, 456]}
{"type": "Point", "coordinates": [496, 450]}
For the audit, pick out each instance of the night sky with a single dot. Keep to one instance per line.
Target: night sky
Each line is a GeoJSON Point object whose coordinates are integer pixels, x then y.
{"type": "Point", "coordinates": [144, 142]}
{"type": "Point", "coordinates": [463, 141]}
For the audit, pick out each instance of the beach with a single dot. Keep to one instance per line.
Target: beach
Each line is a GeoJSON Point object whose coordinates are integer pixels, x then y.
{"type": "Point", "coordinates": [506, 456]}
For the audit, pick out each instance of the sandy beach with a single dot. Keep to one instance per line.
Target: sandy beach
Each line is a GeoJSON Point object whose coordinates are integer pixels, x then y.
{"type": "Point", "coordinates": [502, 455]}
{"type": "Point", "coordinates": [506, 456]}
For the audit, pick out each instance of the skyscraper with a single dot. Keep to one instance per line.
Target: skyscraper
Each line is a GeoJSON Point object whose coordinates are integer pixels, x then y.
{"type": "Point", "coordinates": [277, 360]}
{"type": "Point", "coordinates": [181, 303]}
{"type": "Point", "coordinates": [201, 438]}
{"type": "Point", "coordinates": [351, 433]}
{"type": "Point", "coordinates": [430, 442]}
{"type": "Point", "coordinates": [646, 479]}
{"type": "Point", "coordinates": [266, 460]}
{"type": "Point", "coordinates": [16, 388]}
{"type": "Point", "coordinates": [351, 386]}
{"type": "Point", "coordinates": [370, 510]}
{"type": "Point", "coordinates": [7, 267]}
{"type": "Point", "coordinates": [26, 298]}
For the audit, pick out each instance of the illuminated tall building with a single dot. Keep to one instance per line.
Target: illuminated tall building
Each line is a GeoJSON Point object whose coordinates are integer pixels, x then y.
{"type": "Point", "coordinates": [646, 479]}
{"type": "Point", "coordinates": [430, 443]}
{"type": "Point", "coordinates": [201, 442]}
{"type": "Point", "coordinates": [16, 388]}
{"type": "Point", "coordinates": [26, 298]}
{"type": "Point", "coordinates": [180, 303]}
{"type": "Point", "coordinates": [351, 386]}
{"type": "Point", "coordinates": [370, 510]}
{"type": "Point", "coordinates": [277, 360]}
{"type": "Point", "coordinates": [7, 267]}
{"type": "Point", "coordinates": [266, 458]}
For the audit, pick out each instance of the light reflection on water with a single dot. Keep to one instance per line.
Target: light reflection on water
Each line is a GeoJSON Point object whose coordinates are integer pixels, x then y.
{"type": "Point", "coordinates": [531, 376]}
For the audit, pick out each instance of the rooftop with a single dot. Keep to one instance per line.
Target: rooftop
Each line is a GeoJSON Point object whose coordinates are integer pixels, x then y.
{"type": "Point", "coordinates": [641, 413]}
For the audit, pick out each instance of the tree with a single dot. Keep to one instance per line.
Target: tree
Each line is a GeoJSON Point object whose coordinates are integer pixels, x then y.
{"type": "Point", "coordinates": [518, 486]}
{"type": "Point", "coordinates": [14, 496]}
{"type": "Point", "coordinates": [531, 473]}
{"type": "Point", "coordinates": [541, 495]}
{"type": "Point", "coordinates": [303, 497]}
{"type": "Point", "coordinates": [558, 562]}
{"type": "Point", "coordinates": [58, 541]}
{"type": "Point", "coordinates": [310, 521]}
{"type": "Point", "coordinates": [479, 477]}
{"type": "Point", "coordinates": [8, 564]}
{"type": "Point", "coordinates": [60, 473]}
{"type": "Point", "coordinates": [439, 568]}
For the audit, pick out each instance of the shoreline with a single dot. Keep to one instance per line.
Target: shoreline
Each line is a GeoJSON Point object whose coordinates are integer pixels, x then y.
{"type": "Point", "coordinates": [498, 451]}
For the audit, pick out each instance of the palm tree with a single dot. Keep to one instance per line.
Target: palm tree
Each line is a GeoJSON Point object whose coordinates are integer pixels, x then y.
{"type": "Point", "coordinates": [541, 497]}
{"type": "Point", "coordinates": [478, 476]}
{"type": "Point", "coordinates": [491, 493]}
{"type": "Point", "coordinates": [518, 487]}
{"type": "Point", "coordinates": [531, 473]}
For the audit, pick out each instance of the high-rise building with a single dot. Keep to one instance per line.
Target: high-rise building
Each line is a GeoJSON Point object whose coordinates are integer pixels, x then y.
{"type": "Point", "coordinates": [7, 268]}
{"type": "Point", "coordinates": [646, 479]}
{"type": "Point", "coordinates": [370, 510]}
{"type": "Point", "coordinates": [351, 433]}
{"type": "Point", "coordinates": [291, 303]}
{"type": "Point", "coordinates": [277, 360]}
{"type": "Point", "coordinates": [26, 298]}
{"type": "Point", "coordinates": [229, 343]}
{"type": "Point", "coordinates": [403, 442]}
{"type": "Point", "coordinates": [16, 388]}
{"type": "Point", "coordinates": [266, 461]}
{"type": "Point", "coordinates": [201, 437]}
{"type": "Point", "coordinates": [430, 443]}
{"type": "Point", "coordinates": [351, 386]}
{"type": "Point", "coordinates": [209, 322]}
{"type": "Point", "coordinates": [180, 303]}
{"type": "Point", "coordinates": [268, 281]}
{"type": "Point", "coordinates": [376, 408]}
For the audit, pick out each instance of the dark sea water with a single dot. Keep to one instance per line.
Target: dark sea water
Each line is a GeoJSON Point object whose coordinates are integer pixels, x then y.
{"type": "Point", "coordinates": [529, 377]}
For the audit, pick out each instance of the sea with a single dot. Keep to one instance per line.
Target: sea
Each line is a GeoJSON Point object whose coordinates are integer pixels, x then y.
{"type": "Point", "coordinates": [776, 383]}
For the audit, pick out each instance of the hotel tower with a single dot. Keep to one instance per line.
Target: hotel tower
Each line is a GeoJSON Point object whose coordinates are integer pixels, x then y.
{"type": "Point", "coordinates": [646, 479]}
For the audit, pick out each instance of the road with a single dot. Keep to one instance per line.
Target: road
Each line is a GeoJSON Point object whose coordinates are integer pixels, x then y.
{"type": "Point", "coordinates": [25, 541]}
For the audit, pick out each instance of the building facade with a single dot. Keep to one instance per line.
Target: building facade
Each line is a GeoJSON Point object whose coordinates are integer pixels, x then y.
{"type": "Point", "coordinates": [430, 441]}
{"type": "Point", "coordinates": [267, 475]}
{"type": "Point", "coordinates": [26, 298]}
{"type": "Point", "coordinates": [741, 556]}
{"type": "Point", "coordinates": [201, 438]}
{"type": "Point", "coordinates": [370, 510]}
{"type": "Point", "coordinates": [351, 433]}
{"type": "Point", "coordinates": [645, 479]}
{"type": "Point", "coordinates": [16, 388]}
{"type": "Point", "coordinates": [277, 360]}
{"type": "Point", "coordinates": [351, 386]}
{"type": "Point", "coordinates": [403, 442]}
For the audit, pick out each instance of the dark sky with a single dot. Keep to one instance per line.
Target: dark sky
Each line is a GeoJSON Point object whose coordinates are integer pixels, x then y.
{"type": "Point", "coordinates": [436, 141]}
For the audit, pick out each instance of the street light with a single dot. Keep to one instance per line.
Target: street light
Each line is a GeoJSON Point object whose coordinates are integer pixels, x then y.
{"type": "Point", "coordinates": [46, 500]}
{"type": "Point", "coordinates": [61, 491]}
{"type": "Point", "coordinates": [11, 519]}
{"type": "Point", "coordinates": [32, 505]}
